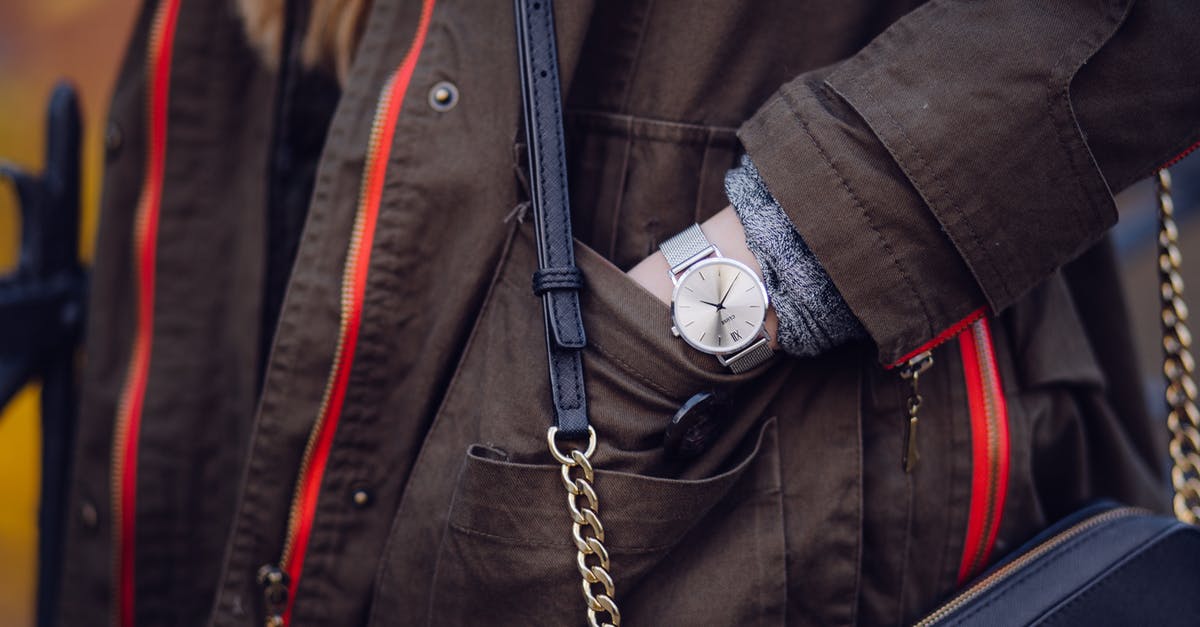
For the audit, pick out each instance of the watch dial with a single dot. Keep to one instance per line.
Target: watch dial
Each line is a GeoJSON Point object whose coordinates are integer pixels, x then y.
{"type": "Point", "coordinates": [719, 306]}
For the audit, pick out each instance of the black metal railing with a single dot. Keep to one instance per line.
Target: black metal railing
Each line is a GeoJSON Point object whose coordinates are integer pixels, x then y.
{"type": "Point", "coordinates": [41, 321]}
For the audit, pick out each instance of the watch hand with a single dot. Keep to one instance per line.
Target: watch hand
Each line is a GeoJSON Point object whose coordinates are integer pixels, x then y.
{"type": "Point", "coordinates": [713, 304]}
{"type": "Point", "coordinates": [727, 291]}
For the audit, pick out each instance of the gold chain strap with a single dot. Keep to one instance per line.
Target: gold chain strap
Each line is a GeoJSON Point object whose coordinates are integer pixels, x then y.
{"type": "Point", "coordinates": [1178, 363]}
{"type": "Point", "coordinates": [586, 529]}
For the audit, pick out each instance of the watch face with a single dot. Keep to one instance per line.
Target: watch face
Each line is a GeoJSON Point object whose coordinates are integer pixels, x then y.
{"type": "Point", "coordinates": [719, 306]}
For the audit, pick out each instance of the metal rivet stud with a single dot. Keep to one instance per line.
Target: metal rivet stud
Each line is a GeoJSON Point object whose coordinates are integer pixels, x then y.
{"type": "Point", "coordinates": [443, 96]}
{"type": "Point", "coordinates": [113, 140]}
{"type": "Point", "coordinates": [88, 515]}
{"type": "Point", "coordinates": [361, 498]}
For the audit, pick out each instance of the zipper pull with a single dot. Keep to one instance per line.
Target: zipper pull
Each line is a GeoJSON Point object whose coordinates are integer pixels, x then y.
{"type": "Point", "coordinates": [274, 583]}
{"type": "Point", "coordinates": [911, 372]}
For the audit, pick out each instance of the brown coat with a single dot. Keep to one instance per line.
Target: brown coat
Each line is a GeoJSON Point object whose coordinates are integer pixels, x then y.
{"type": "Point", "coordinates": [953, 165]}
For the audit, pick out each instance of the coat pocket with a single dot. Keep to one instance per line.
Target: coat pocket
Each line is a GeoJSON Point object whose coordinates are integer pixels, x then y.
{"type": "Point", "coordinates": [636, 373]}
{"type": "Point", "coordinates": [707, 551]}
{"type": "Point", "coordinates": [498, 522]}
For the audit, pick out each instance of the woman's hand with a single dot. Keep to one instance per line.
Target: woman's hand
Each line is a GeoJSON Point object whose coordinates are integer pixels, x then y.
{"type": "Point", "coordinates": [724, 230]}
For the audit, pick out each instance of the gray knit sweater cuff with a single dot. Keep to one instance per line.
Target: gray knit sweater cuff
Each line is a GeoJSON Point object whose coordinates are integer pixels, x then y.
{"type": "Point", "coordinates": [813, 318]}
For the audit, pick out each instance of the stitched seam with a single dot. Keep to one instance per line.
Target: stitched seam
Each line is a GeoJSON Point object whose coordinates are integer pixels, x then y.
{"type": "Point", "coordinates": [730, 501]}
{"type": "Point", "coordinates": [554, 545]}
{"type": "Point", "coordinates": [1076, 175]}
{"type": "Point", "coordinates": [943, 198]}
{"type": "Point", "coordinates": [887, 247]}
{"type": "Point", "coordinates": [947, 334]}
{"type": "Point", "coordinates": [621, 188]}
{"type": "Point", "coordinates": [1053, 112]}
{"type": "Point", "coordinates": [726, 133]}
{"type": "Point", "coordinates": [701, 179]}
{"type": "Point", "coordinates": [576, 360]}
{"type": "Point", "coordinates": [1110, 24]}
{"type": "Point", "coordinates": [568, 301]}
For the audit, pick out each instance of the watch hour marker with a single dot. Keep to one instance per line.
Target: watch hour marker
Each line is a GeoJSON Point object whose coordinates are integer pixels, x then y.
{"type": "Point", "coordinates": [748, 322]}
{"type": "Point", "coordinates": [701, 275]}
{"type": "Point", "coordinates": [691, 323]}
{"type": "Point", "coordinates": [702, 336]}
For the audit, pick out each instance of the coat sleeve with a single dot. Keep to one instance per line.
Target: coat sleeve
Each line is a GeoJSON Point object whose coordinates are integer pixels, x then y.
{"type": "Point", "coordinates": [973, 148]}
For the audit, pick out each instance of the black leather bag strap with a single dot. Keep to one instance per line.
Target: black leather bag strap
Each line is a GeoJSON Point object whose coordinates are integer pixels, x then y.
{"type": "Point", "coordinates": [557, 280]}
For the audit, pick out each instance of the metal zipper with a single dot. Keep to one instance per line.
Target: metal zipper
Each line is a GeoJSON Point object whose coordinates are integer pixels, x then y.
{"type": "Point", "coordinates": [911, 366]}
{"type": "Point", "coordinates": [989, 435]}
{"type": "Point", "coordinates": [949, 333]}
{"type": "Point", "coordinates": [280, 581]}
{"type": "Point", "coordinates": [1020, 562]}
{"type": "Point", "coordinates": [145, 248]}
{"type": "Point", "coordinates": [912, 373]}
{"type": "Point", "coordinates": [990, 447]}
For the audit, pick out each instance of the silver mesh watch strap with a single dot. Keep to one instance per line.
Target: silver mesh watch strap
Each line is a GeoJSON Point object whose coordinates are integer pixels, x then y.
{"type": "Point", "coordinates": [686, 247]}
{"type": "Point", "coordinates": [750, 357]}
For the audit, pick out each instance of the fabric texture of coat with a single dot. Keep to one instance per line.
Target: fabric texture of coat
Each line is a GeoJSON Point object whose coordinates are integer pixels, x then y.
{"type": "Point", "coordinates": [951, 164]}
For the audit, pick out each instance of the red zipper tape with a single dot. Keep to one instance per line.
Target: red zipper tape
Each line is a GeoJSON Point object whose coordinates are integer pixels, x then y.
{"type": "Point", "coordinates": [161, 42]}
{"type": "Point", "coordinates": [1179, 157]}
{"type": "Point", "coordinates": [941, 338]}
{"type": "Point", "coordinates": [989, 447]}
{"type": "Point", "coordinates": [357, 265]}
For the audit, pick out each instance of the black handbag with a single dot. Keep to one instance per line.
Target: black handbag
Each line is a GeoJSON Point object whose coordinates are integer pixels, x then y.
{"type": "Point", "coordinates": [1108, 564]}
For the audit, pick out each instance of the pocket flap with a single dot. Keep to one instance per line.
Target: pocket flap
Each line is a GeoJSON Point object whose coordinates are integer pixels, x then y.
{"type": "Point", "coordinates": [526, 503]}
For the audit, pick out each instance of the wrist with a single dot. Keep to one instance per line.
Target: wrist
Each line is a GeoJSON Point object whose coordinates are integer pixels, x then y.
{"type": "Point", "coordinates": [725, 232]}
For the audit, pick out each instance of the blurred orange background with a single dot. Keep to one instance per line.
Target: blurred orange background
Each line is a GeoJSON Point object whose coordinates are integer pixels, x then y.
{"type": "Point", "coordinates": [42, 41]}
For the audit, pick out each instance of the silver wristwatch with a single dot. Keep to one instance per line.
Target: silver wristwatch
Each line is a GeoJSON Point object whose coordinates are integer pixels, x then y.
{"type": "Point", "coordinates": [719, 304]}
